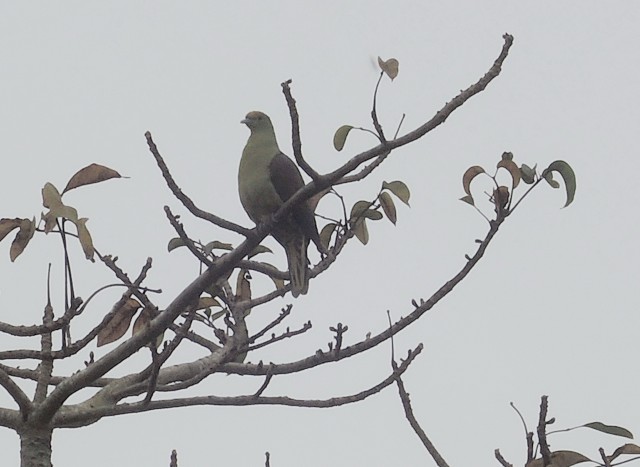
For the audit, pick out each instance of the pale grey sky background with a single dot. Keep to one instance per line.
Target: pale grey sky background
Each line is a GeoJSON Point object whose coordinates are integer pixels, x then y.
{"type": "Point", "coordinates": [552, 309]}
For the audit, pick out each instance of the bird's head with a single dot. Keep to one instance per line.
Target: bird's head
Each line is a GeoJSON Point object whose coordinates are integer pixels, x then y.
{"type": "Point", "coordinates": [257, 121]}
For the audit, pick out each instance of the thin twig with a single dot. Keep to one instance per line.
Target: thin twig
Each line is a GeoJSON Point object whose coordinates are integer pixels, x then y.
{"type": "Point", "coordinates": [286, 311]}
{"type": "Point", "coordinates": [73, 418]}
{"type": "Point", "coordinates": [264, 385]}
{"type": "Point", "coordinates": [408, 411]}
{"type": "Point", "coordinates": [24, 404]}
{"type": "Point", "coordinates": [184, 199]}
{"type": "Point", "coordinates": [374, 112]}
{"type": "Point", "coordinates": [177, 226]}
{"type": "Point", "coordinates": [295, 132]}
{"type": "Point", "coordinates": [501, 459]}
{"type": "Point", "coordinates": [542, 432]}
{"type": "Point", "coordinates": [528, 434]}
{"type": "Point", "coordinates": [605, 458]}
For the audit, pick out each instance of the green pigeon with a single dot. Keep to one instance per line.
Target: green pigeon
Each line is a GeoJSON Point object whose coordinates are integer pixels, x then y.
{"type": "Point", "coordinates": [266, 180]}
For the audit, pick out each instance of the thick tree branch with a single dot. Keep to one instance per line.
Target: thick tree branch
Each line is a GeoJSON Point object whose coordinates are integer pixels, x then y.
{"type": "Point", "coordinates": [223, 265]}
{"type": "Point", "coordinates": [24, 404]}
{"type": "Point", "coordinates": [331, 178]}
{"type": "Point", "coordinates": [99, 368]}
{"type": "Point", "coordinates": [10, 418]}
{"type": "Point", "coordinates": [69, 416]}
{"type": "Point", "coordinates": [320, 358]}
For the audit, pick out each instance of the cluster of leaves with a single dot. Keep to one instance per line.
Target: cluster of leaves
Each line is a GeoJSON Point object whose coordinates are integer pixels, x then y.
{"type": "Point", "coordinates": [503, 196]}
{"type": "Point", "coordinates": [58, 213]}
{"type": "Point", "coordinates": [123, 313]}
{"type": "Point", "coordinates": [566, 458]}
{"type": "Point", "coordinates": [215, 292]}
{"type": "Point", "coordinates": [389, 68]}
{"type": "Point", "coordinates": [373, 210]}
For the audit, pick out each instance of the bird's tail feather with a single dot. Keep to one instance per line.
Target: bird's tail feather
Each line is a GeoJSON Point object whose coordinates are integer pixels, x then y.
{"type": "Point", "coordinates": [298, 269]}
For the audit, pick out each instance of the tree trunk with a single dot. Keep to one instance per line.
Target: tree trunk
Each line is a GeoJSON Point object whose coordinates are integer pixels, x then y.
{"type": "Point", "coordinates": [35, 447]}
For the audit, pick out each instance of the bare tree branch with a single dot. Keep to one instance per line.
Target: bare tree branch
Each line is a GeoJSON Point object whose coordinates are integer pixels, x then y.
{"type": "Point", "coordinates": [501, 459]}
{"type": "Point", "coordinates": [185, 238]}
{"type": "Point", "coordinates": [408, 411]}
{"type": "Point", "coordinates": [542, 431]}
{"type": "Point", "coordinates": [45, 368]}
{"type": "Point", "coordinates": [184, 199]}
{"type": "Point", "coordinates": [320, 358]}
{"type": "Point", "coordinates": [69, 416]}
{"type": "Point", "coordinates": [295, 132]}
{"type": "Point", "coordinates": [169, 378]}
{"type": "Point", "coordinates": [24, 404]}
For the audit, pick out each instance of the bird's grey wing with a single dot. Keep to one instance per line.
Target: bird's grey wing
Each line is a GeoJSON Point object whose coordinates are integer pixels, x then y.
{"type": "Point", "coordinates": [286, 180]}
{"type": "Point", "coordinates": [285, 176]}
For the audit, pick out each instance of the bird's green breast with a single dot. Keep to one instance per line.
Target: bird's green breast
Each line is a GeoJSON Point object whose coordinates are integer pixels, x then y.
{"type": "Point", "coordinates": [257, 193]}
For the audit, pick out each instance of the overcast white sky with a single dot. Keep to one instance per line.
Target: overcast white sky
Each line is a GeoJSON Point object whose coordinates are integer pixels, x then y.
{"type": "Point", "coordinates": [552, 309]}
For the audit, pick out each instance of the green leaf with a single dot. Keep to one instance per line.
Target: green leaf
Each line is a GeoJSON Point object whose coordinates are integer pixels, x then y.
{"type": "Point", "coordinates": [50, 196]}
{"type": "Point", "coordinates": [325, 234]}
{"type": "Point", "coordinates": [279, 283]}
{"type": "Point", "coordinates": [610, 429]}
{"type": "Point", "coordinates": [468, 199]}
{"type": "Point", "coordinates": [359, 208]}
{"type": "Point", "coordinates": [567, 174]}
{"type": "Point", "coordinates": [468, 177]}
{"type": "Point", "coordinates": [218, 314]}
{"type": "Point", "coordinates": [527, 174]}
{"type": "Point", "coordinates": [174, 243]}
{"type": "Point", "coordinates": [399, 189]}
{"type": "Point", "coordinates": [560, 459]}
{"type": "Point", "coordinates": [548, 176]}
{"type": "Point", "coordinates": [207, 302]}
{"type": "Point", "coordinates": [512, 168]}
{"type": "Point", "coordinates": [216, 245]}
{"type": "Point", "coordinates": [388, 206]}
{"type": "Point", "coordinates": [85, 238]}
{"type": "Point", "coordinates": [372, 214]}
{"type": "Point", "coordinates": [340, 136]}
{"type": "Point", "coordinates": [361, 232]}
{"type": "Point", "coordinates": [625, 449]}
{"type": "Point", "coordinates": [259, 249]}
{"type": "Point", "coordinates": [61, 210]}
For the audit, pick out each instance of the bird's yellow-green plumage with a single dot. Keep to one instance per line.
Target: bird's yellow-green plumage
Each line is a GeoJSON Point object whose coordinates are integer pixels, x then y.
{"type": "Point", "coordinates": [266, 179]}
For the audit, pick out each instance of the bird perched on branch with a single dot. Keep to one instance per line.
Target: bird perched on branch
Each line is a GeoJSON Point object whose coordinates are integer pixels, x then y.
{"type": "Point", "coordinates": [266, 180]}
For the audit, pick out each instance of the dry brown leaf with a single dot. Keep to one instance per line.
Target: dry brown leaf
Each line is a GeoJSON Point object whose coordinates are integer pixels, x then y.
{"type": "Point", "coordinates": [7, 225]}
{"type": "Point", "coordinates": [23, 237]}
{"type": "Point", "coordinates": [119, 324]}
{"type": "Point", "coordinates": [93, 173]}
{"type": "Point", "coordinates": [389, 67]}
{"type": "Point", "coordinates": [142, 321]}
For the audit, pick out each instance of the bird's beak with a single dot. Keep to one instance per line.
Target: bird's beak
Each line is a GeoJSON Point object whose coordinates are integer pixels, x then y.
{"type": "Point", "coordinates": [245, 121]}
